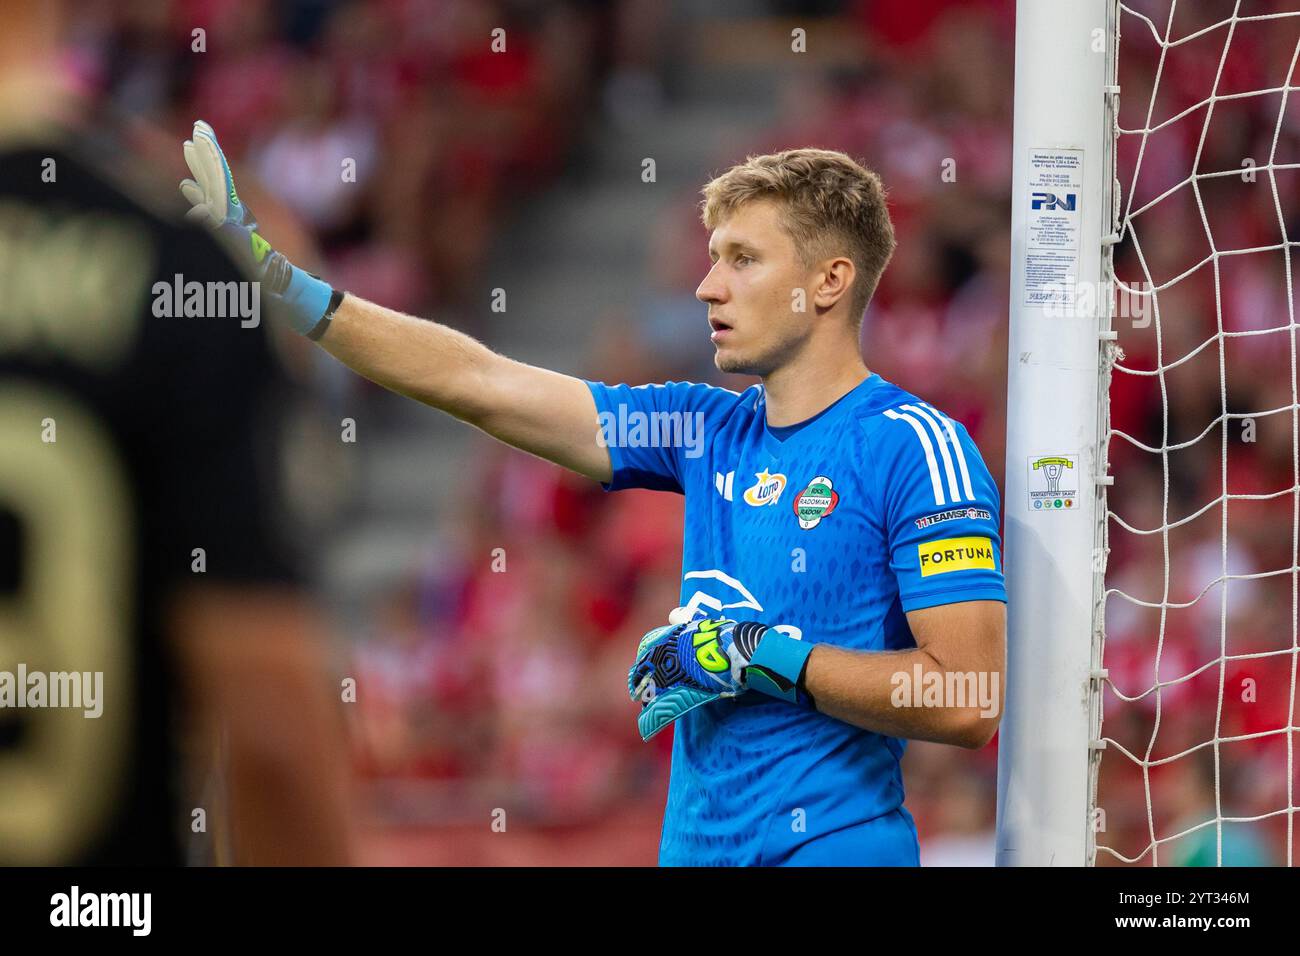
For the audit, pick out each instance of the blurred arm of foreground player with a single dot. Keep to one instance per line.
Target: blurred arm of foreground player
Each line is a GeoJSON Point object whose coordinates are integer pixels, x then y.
{"type": "Point", "coordinates": [253, 663]}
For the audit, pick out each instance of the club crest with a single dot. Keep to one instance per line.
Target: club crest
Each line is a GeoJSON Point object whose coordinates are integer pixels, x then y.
{"type": "Point", "coordinates": [815, 502]}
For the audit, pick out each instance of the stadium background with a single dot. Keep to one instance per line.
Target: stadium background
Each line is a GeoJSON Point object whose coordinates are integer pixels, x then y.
{"type": "Point", "coordinates": [522, 171]}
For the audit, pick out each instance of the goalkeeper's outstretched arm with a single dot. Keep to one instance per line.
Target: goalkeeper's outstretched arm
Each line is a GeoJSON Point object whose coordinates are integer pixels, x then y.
{"type": "Point", "coordinates": [548, 414]}
{"type": "Point", "coordinates": [542, 412]}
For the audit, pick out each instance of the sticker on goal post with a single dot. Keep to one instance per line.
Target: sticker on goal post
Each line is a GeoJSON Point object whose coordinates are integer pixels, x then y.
{"type": "Point", "coordinates": [1053, 483]}
{"type": "Point", "coordinates": [1055, 189]}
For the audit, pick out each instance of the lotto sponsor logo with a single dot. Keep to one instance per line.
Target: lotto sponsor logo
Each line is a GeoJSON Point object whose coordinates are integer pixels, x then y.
{"type": "Point", "coordinates": [766, 490]}
{"type": "Point", "coordinates": [975, 514]}
{"type": "Point", "coordinates": [956, 554]}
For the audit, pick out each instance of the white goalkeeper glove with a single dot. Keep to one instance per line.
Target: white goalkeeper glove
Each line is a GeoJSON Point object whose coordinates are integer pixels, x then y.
{"type": "Point", "coordinates": [307, 302]}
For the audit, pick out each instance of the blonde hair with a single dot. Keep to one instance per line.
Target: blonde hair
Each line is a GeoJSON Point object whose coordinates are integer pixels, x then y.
{"type": "Point", "coordinates": [832, 205]}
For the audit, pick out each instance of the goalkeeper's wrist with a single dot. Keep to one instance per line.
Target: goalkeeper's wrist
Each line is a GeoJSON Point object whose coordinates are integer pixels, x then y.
{"type": "Point", "coordinates": [779, 667]}
{"type": "Point", "coordinates": [307, 301]}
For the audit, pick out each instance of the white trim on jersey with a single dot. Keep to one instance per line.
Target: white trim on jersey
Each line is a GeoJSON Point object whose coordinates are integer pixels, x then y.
{"type": "Point", "coordinates": [956, 444]}
{"type": "Point", "coordinates": [929, 451]}
{"type": "Point", "coordinates": [933, 417]}
{"type": "Point", "coordinates": [943, 447]}
{"type": "Point", "coordinates": [724, 484]}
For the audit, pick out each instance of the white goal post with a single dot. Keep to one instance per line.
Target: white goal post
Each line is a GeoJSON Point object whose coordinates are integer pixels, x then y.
{"type": "Point", "coordinates": [1055, 471]}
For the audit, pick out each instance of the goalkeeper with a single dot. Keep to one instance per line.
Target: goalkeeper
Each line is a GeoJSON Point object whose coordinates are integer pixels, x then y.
{"type": "Point", "coordinates": [842, 576]}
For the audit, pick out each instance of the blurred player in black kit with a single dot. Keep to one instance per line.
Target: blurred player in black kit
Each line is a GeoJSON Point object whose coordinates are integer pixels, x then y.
{"type": "Point", "coordinates": [142, 588]}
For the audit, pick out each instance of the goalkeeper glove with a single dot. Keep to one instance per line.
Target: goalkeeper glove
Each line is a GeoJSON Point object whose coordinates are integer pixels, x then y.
{"type": "Point", "coordinates": [308, 302]}
{"type": "Point", "coordinates": [684, 666]}
{"type": "Point", "coordinates": [769, 662]}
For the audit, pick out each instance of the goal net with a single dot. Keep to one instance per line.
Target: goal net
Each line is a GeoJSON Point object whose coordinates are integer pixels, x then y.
{"type": "Point", "coordinates": [1197, 709]}
{"type": "Point", "coordinates": [1172, 152]}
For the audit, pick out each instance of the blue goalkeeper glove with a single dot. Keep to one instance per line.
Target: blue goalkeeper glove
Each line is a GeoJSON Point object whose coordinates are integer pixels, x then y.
{"type": "Point", "coordinates": [681, 667]}
{"type": "Point", "coordinates": [308, 302]}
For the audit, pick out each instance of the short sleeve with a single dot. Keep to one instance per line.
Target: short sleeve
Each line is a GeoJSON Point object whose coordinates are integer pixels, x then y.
{"type": "Point", "coordinates": [940, 508]}
{"type": "Point", "coordinates": [654, 431]}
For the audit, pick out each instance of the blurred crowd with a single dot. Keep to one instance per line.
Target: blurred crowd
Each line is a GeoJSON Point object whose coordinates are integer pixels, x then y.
{"type": "Point", "coordinates": [493, 674]}
{"type": "Point", "coordinates": [441, 130]}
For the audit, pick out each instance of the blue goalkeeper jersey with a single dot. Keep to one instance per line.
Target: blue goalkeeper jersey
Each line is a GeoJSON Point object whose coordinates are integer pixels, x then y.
{"type": "Point", "coordinates": [831, 531]}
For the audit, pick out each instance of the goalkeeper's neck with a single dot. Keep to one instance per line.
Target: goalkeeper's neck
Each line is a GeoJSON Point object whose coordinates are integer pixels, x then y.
{"type": "Point", "coordinates": [813, 378]}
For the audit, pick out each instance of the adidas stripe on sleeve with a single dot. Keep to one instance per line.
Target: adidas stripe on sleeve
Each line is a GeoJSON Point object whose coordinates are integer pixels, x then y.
{"type": "Point", "coordinates": [940, 508]}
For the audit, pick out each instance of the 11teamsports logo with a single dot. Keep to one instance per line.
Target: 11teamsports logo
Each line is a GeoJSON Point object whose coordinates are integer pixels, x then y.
{"type": "Point", "coordinates": [815, 502]}
{"type": "Point", "coordinates": [975, 514]}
